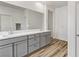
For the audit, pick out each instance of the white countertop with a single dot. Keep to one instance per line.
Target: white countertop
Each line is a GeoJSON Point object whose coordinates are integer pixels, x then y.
{"type": "Point", "coordinates": [23, 33]}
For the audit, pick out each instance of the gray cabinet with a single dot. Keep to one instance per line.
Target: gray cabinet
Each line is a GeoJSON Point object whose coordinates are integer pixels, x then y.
{"type": "Point", "coordinates": [33, 42]}
{"type": "Point", "coordinates": [16, 47]}
{"type": "Point", "coordinates": [77, 46]}
{"type": "Point", "coordinates": [20, 48]}
{"type": "Point", "coordinates": [48, 37]}
{"type": "Point", "coordinates": [6, 51]}
{"type": "Point", "coordinates": [33, 47]}
{"type": "Point", "coordinates": [45, 38]}
{"type": "Point", "coordinates": [42, 39]}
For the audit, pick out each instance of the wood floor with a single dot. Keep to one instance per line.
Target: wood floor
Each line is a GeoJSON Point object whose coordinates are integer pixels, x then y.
{"type": "Point", "coordinates": [57, 48]}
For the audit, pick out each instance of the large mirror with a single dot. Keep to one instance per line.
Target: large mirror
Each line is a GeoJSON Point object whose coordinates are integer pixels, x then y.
{"type": "Point", "coordinates": [11, 23]}
{"type": "Point", "coordinates": [13, 18]}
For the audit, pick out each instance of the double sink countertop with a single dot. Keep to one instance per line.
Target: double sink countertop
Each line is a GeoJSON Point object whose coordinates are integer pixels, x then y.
{"type": "Point", "coordinates": [7, 35]}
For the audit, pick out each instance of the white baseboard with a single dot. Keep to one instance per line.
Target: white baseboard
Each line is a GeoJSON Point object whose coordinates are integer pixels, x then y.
{"type": "Point", "coordinates": [59, 38]}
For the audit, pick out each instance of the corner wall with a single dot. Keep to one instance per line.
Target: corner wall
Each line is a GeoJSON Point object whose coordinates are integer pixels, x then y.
{"type": "Point", "coordinates": [60, 23]}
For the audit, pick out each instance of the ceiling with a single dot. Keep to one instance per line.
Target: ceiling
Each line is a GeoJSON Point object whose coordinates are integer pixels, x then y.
{"type": "Point", "coordinates": [52, 4]}
{"type": "Point", "coordinates": [55, 4]}
{"type": "Point", "coordinates": [11, 5]}
{"type": "Point", "coordinates": [32, 4]}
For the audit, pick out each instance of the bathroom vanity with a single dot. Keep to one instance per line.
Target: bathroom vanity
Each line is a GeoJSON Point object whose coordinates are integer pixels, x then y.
{"type": "Point", "coordinates": [23, 43]}
{"type": "Point", "coordinates": [15, 40]}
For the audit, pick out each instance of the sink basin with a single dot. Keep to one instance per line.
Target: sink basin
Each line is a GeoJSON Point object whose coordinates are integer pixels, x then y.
{"type": "Point", "coordinates": [3, 34]}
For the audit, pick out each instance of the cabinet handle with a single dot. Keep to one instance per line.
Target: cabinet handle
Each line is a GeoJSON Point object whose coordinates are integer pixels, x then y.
{"type": "Point", "coordinates": [77, 35]}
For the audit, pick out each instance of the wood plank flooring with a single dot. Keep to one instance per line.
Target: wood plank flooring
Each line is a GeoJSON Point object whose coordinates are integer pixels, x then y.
{"type": "Point", "coordinates": [57, 48]}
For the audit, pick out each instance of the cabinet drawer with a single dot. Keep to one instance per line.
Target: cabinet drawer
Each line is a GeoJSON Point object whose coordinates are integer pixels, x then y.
{"type": "Point", "coordinates": [33, 41]}
{"type": "Point", "coordinates": [48, 33]}
{"type": "Point", "coordinates": [20, 38]}
{"type": "Point", "coordinates": [37, 35]}
{"type": "Point", "coordinates": [31, 36]}
{"type": "Point", "coordinates": [12, 40]}
{"type": "Point", "coordinates": [42, 34]}
{"type": "Point", "coordinates": [6, 41]}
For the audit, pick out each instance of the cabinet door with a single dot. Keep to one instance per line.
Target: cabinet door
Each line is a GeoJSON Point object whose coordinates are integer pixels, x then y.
{"type": "Point", "coordinates": [36, 45]}
{"type": "Point", "coordinates": [33, 40]}
{"type": "Point", "coordinates": [48, 39]}
{"type": "Point", "coordinates": [33, 43]}
{"type": "Point", "coordinates": [42, 41]}
{"type": "Point", "coordinates": [20, 48]}
{"type": "Point", "coordinates": [33, 47]}
{"type": "Point", "coordinates": [6, 51]}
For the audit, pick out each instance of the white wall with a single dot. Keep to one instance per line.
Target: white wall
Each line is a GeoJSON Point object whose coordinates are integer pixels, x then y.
{"type": "Point", "coordinates": [77, 18]}
{"type": "Point", "coordinates": [77, 32]}
{"type": "Point", "coordinates": [60, 23]}
{"type": "Point", "coordinates": [71, 29]}
{"type": "Point", "coordinates": [17, 14]}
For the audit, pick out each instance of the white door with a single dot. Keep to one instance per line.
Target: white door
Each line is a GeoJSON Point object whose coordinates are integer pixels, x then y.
{"type": "Point", "coordinates": [77, 40]}
{"type": "Point", "coordinates": [6, 51]}
{"type": "Point", "coordinates": [20, 48]}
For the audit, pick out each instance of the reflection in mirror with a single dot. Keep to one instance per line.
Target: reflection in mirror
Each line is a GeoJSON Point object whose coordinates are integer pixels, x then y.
{"type": "Point", "coordinates": [10, 15]}
{"type": "Point", "coordinates": [18, 26]}
{"type": "Point", "coordinates": [5, 22]}
{"type": "Point", "coordinates": [35, 19]}
{"type": "Point", "coordinates": [10, 23]}
{"type": "Point", "coordinates": [13, 18]}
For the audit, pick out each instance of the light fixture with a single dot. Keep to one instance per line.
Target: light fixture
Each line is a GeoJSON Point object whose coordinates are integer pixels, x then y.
{"type": "Point", "coordinates": [38, 4]}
